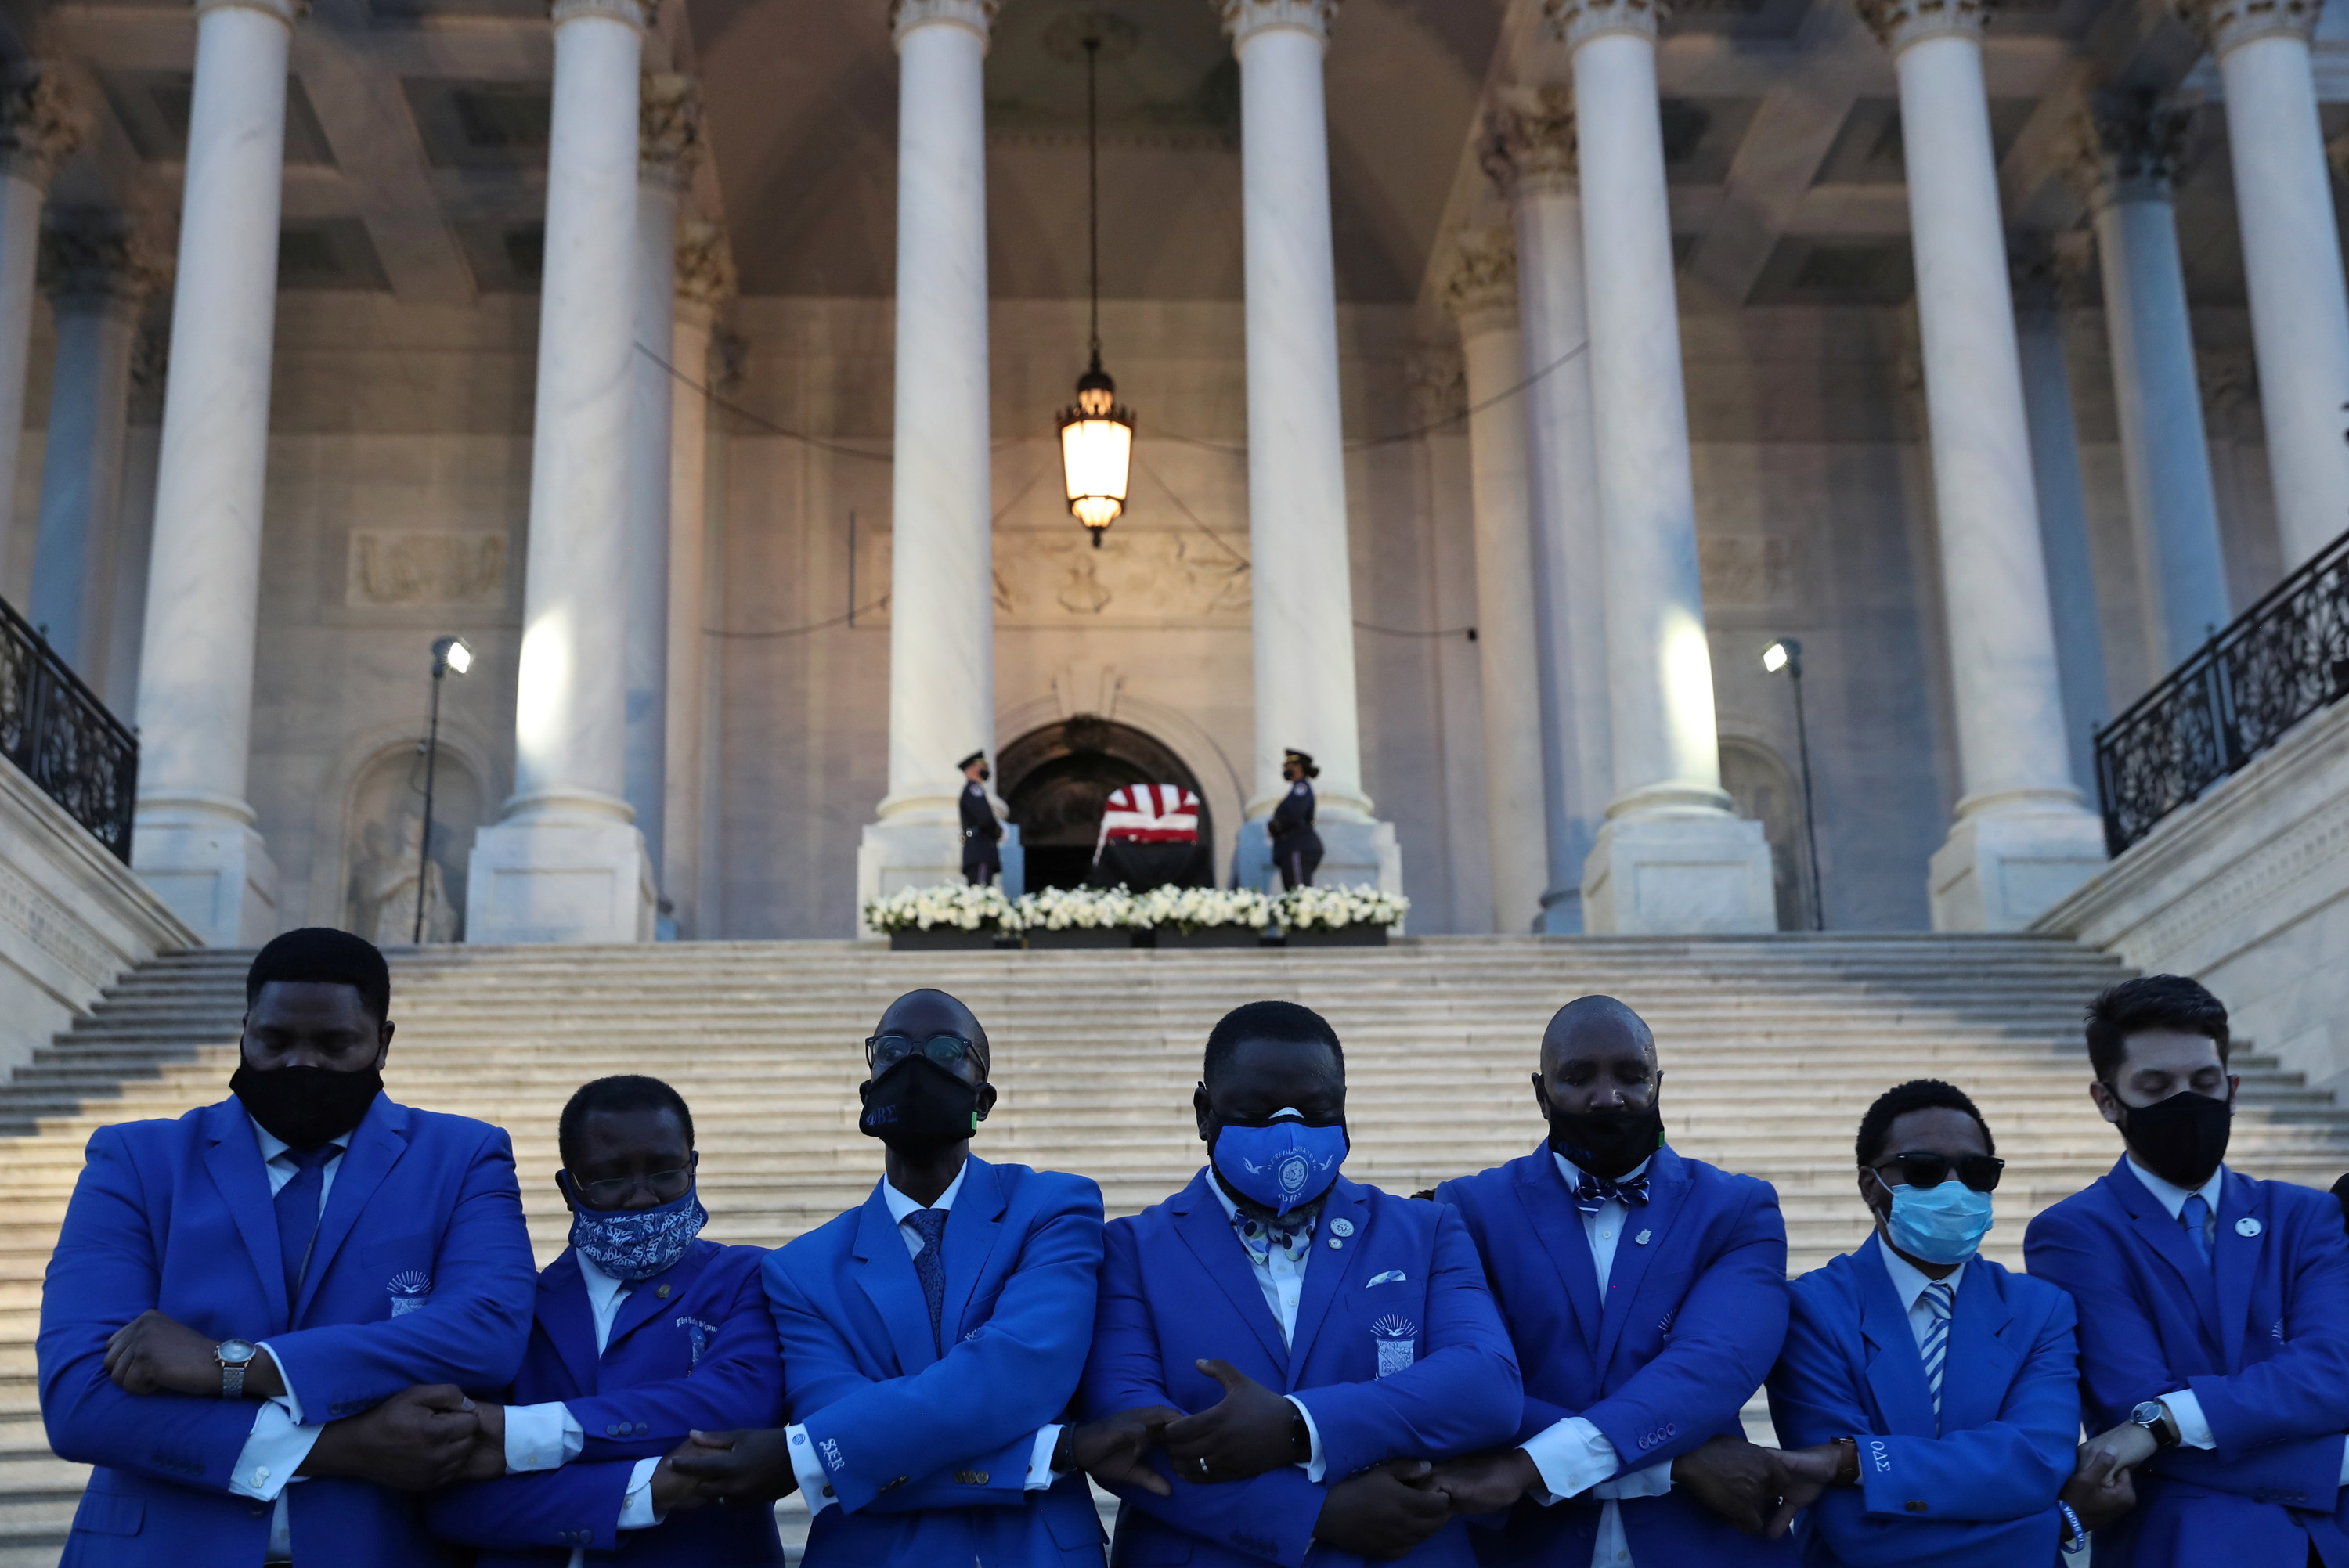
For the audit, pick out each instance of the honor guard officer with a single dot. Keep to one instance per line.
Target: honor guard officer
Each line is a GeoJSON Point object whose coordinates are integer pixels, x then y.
{"type": "Point", "coordinates": [302, 1250]}
{"type": "Point", "coordinates": [1296, 847]}
{"type": "Point", "coordinates": [981, 833]}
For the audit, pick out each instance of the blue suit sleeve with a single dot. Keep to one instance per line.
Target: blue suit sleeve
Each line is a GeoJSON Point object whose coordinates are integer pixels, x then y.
{"type": "Point", "coordinates": [2301, 1390]}
{"type": "Point", "coordinates": [104, 1272]}
{"type": "Point", "coordinates": [1464, 1395]}
{"type": "Point", "coordinates": [1014, 1374]}
{"type": "Point", "coordinates": [1724, 1341]}
{"type": "Point", "coordinates": [577, 1505]}
{"type": "Point", "coordinates": [473, 1331]}
{"type": "Point", "coordinates": [1270, 1516]}
{"type": "Point", "coordinates": [958, 1486]}
{"type": "Point", "coordinates": [737, 1384]}
{"type": "Point", "coordinates": [1974, 1484]}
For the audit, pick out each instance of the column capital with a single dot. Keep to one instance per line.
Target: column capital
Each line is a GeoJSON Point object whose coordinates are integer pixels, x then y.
{"type": "Point", "coordinates": [1243, 19]}
{"type": "Point", "coordinates": [1438, 375]}
{"type": "Point", "coordinates": [1578, 21]}
{"type": "Point", "coordinates": [2127, 145]}
{"type": "Point", "coordinates": [979, 16]}
{"type": "Point", "coordinates": [668, 129]}
{"type": "Point", "coordinates": [704, 267]}
{"type": "Point", "coordinates": [1529, 146]}
{"type": "Point", "coordinates": [641, 15]}
{"type": "Point", "coordinates": [2222, 25]}
{"type": "Point", "coordinates": [1898, 23]}
{"type": "Point", "coordinates": [40, 125]}
{"type": "Point", "coordinates": [93, 256]}
{"type": "Point", "coordinates": [1482, 291]}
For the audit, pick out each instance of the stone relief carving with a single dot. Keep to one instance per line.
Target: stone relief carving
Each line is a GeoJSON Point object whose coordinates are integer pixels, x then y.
{"type": "Point", "coordinates": [398, 568]}
{"type": "Point", "coordinates": [1746, 569]}
{"type": "Point", "coordinates": [383, 848]}
{"type": "Point", "coordinates": [1139, 577]}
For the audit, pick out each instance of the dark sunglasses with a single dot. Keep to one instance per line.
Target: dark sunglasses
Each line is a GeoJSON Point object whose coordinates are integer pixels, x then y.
{"type": "Point", "coordinates": [884, 1051]}
{"type": "Point", "coordinates": [1978, 1172]}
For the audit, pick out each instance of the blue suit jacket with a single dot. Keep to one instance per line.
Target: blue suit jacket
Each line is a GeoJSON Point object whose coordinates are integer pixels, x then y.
{"type": "Point", "coordinates": [1398, 1353]}
{"type": "Point", "coordinates": [177, 1215]}
{"type": "Point", "coordinates": [1691, 1324]}
{"type": "Point", "coordinates": [691, 1349]}
{"type": "Point", "coordinates": [929, 1454]}
{"type": "Point", "coordinates": [1975, 1490]}
{"type": "Point", "coordinates": [2261, 1338]}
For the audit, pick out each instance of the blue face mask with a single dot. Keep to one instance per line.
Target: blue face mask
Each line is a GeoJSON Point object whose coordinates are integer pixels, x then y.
{"type": "Point", "coordinates": [637, 1244]}
{"type": "Point", "coordinates": [1941, 1224]}
{"type": "Point", "coordinates": [1282, 1166]}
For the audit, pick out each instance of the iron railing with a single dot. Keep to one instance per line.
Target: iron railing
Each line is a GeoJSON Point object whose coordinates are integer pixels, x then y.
{"type": "Point", "coordinates": [2279, 661]}
{"type": "Point", "coordinates": [57, 730]}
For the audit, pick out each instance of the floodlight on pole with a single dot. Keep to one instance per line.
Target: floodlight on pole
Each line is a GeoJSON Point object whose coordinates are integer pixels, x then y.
{"type": "Point", "coordinates": [1097, 434]}
{"type": "Point", "coordinates": [1786, 655]}
{"type": "Point", "coordinates": [448, 654]}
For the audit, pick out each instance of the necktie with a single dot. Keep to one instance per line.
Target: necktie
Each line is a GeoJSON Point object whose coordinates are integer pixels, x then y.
{"type": "Point", "coordinates": [1264, 1238]}
{"type": "Point", "coordinates": [931, 1264]}
{"type": "Point", "coordinates": [2195, 1215]}
{"type": "Point", "coordinates": [1592, 1195]}
{"type": "Point", "coordinates": [1938, 1299]}
{"type": "Point", "coordinates": [297, 1213]}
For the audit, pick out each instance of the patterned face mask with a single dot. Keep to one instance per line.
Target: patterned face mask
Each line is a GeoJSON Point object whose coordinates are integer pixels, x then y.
{"type": "Point", "coordinates": [637, 1244]}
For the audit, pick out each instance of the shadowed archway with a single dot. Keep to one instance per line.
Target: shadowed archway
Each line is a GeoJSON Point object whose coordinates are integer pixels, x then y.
{"type": "Point", "coordinates": [1056, 780]}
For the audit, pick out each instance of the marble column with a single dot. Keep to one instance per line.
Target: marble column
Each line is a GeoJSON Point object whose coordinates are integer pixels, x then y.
{"type": "Point", "coordinates": [39, 128]}
{"type": "Point", "coordinates": [2042, 277]}
{"type": "Point", "coordinates": [1481, 295]}
{"type": "Point", "coordinates": [705, 279]}
{"type": "Point", "coordinates": [941, 573]}
{"type": "Point", "coordinates": [1301, 573]}
{"type": "Point", "coordinates": [2292, 256]}
{"type": "Point", "coordinates": [669, 149]}
{"type": "Point", "coordinates": [2022, 838]}
{"type": "Point", "coordinates": [1672, 855]}
{"type": "Point", "coordinates": [2126, 158]}
{"type": "Point", "coordinates": [1529, 151]}
{"type": "Point", "coordinates": [194, 842]}
{"type": "Point", "coordinates": [100, 279]}
{"type": "Point", "coordinates": [134, 540]}
{"type": "Point", "coordinates": [566, 862]}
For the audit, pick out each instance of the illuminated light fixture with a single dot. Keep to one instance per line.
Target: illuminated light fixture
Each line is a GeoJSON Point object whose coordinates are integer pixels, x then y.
{"type": "Point", "coordinates": [448, 654]}
{"type": "Point", "coordinates": [1777, 657]}
{"type": "Point", "coordinates": [1786, 655]}
{"type": "Point", "coordinates": [1096, 435]}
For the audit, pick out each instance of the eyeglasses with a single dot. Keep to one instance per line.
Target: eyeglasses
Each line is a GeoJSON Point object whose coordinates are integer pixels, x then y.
{"type": "Point", "coordinates": [1978, 1172]}
{"type": "Point", "coordinates": [887, 1050]}
{"type": "Point", "coordinates": [665, 1186]}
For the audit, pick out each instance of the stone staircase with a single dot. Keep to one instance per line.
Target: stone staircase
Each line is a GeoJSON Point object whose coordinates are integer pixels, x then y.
{"type": "Point", "coordinates": [1771, 1047]}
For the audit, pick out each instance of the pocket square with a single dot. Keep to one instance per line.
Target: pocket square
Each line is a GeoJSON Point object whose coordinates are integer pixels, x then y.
{"type": "Point", "coordinates": [1392, 1277]}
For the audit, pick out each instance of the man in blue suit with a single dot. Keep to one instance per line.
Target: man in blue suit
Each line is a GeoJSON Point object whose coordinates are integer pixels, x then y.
{"type": "Point", "coordinates": [932, 1339]}
{"type": "Point", "coordinates": [645, 1332]}
{"type": "Point", "coordinates": [248, 1296]}
{"type": "Point", "coordinates": [2214, 1309]}
{"type": "Point", "coordinates": [1646, 1295]}
{"type": "Point", "coordinates": [1931, 1397]}
{"type": "Point", "coordinates": [1329, 1341]}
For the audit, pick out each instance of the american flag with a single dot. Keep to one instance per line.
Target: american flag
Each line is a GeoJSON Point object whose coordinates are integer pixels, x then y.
{"type": "Point", "coordinates": [1151, 814]}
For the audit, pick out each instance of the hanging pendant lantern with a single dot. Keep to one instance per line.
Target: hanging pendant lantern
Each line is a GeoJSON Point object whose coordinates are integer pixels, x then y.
{"type": "Point", "coordinates": [1096, 435]}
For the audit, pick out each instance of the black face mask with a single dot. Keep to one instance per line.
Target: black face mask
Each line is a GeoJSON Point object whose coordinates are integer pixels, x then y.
{"type": "Point", "coordinates": [2181, 1140]}
{"type": "Point", "coordinates": [305, 1107]}
{"type": "Point", "coordinates": [919, 1106]}
{"type": "Point", "coordinates": [1608, 1143]}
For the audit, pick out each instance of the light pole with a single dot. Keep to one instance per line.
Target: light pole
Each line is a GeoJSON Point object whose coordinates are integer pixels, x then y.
{"type": "Point", "coordinates": [1786, 655]}
{"type": "Point", "coordinates": [448, 654]}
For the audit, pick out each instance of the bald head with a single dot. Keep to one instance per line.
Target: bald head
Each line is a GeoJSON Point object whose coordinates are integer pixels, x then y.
{"type": "Point", "coordinates": [1598, 1058]}
{"type": "Point", "coordinates": [1595, 1023]}
{"type": "Point", "coordinates": [926, 1012]}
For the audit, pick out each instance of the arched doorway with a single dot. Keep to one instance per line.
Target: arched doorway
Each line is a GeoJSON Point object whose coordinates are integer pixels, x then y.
{"type": "Point", "coordinates": [1056, 780]}
{"type": "Point", "coordinates": [1763, 790]}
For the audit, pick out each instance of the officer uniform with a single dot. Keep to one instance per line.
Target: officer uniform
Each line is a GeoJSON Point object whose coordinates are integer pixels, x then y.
{"type": "Point", "coordinates": [1296, 847]}
{"type": "Point", "coordinates": [980, 831]}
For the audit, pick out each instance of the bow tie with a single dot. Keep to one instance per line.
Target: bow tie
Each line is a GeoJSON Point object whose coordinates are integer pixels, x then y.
{"type": "Point", "coordinates": [1631, 1192]}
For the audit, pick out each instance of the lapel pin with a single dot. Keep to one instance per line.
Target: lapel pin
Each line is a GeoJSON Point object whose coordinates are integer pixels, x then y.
{"type": "Point", "coordinates": [660, 1293]}
{"type": "Point", "coordinates": [2246, 1226]}
{"type": "Point", "coordinates": [1342, 1227]}
{"type": "Point", "coordinates": [1641, 1239]}
{"type": "Point", "coordinates": [1335, 1243]}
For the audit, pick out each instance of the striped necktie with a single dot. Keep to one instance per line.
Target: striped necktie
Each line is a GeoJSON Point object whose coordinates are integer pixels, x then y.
{"type": "Point", "coordinates": [1938, 1299]}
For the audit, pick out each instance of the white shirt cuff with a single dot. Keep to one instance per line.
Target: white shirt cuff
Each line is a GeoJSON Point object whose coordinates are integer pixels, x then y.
{"type": "Point", "coordinates": [1039, 1458]}
{"type": "Point", "coordinates": [541, 1437]}
{"type": "Point", "coordinates": [290, 1399]}
{"type": "Point", "coordinates": [275, 1450]}
{"type": "Point", "coordinates": [1572, 1456]}
{"type": "Point", "coordinates": [636, 1510]}
{"type": "Point", "coordinates": [1653, 1482]}
{"type": "Point", "coordinates": [1314, 1466]}
{"type": "Point", "coordinates": [2193, 1427]}
{"type": "Point", "coordinates": [814, 1485]}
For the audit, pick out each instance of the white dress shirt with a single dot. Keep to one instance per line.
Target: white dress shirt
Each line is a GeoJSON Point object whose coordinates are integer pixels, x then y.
{"type": "Point", "coordinates": [1573, 1456]}
{"type": "Point", "coordinates": [1910, 1282]}
{"type": "Point", "coordinates": [1283, 1285]}
{"type": "Point", "coordinates": [814, 1486]}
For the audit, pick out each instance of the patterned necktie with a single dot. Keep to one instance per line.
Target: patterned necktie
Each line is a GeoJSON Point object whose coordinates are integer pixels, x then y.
{"type": "Point", "coordinates": [931, 1264]}
{"type": "Point", "coordinates": [2195, 1215]}
{"type": "Point", "coordinates": [297, 1213]}
{"type": "Point", "coordinates": [1938, 1299]}
{"type": "Point", "coordinates": [1592, 1195]}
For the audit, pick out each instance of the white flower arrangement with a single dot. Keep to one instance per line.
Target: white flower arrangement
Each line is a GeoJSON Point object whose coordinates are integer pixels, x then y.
{"type": "Point", "coordinates": [1189, 909]}
{"type": "Point", "coordinates": [1081, 909]}
{"type": "Point", "coordinates": [955, 905]}
{"type": "Point", "coordinates": [1331, 908]}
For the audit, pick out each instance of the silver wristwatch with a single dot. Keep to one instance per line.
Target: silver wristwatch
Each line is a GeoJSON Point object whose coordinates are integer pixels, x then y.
{"type": "Point", "coordinates": [234, 1355]}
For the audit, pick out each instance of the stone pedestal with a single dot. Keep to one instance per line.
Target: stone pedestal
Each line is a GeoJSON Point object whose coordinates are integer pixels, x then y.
{"type": "Point", "coordinates": [2002, 870]}
{"type": "Point", "coordinates": [1702, 873]}
{"type": "Point", "coordinates": [1354, 853]}
{"type": "Point", "coordinates": [204, 859]}
{"type": "Point", "coordinates": [552, 878]}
